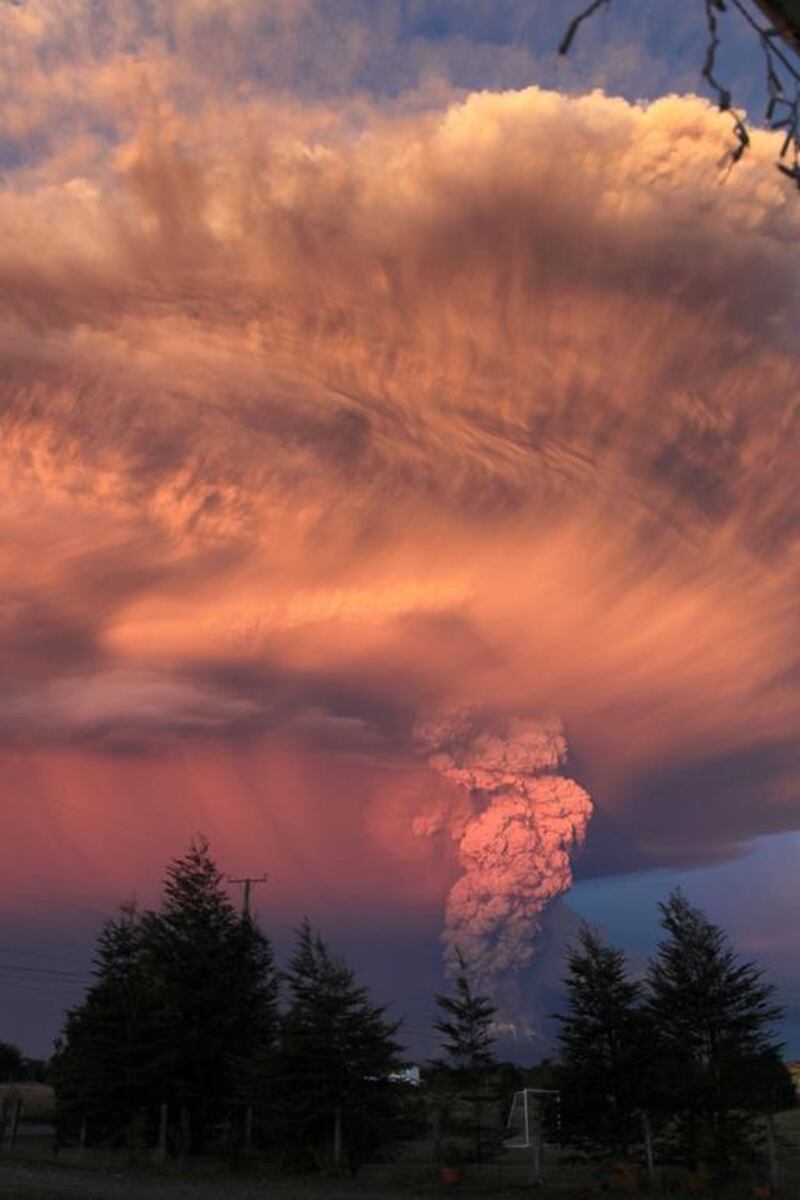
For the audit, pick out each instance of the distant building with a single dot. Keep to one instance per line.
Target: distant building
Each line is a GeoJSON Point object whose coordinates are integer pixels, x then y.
{"type": "Point", "coordinates": [794, 1070]}
{"type": "Point", "coordinates": [412, 1075]}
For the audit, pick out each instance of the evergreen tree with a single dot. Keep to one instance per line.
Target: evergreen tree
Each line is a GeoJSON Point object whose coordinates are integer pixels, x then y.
{"type": "Point", "coordinates": [100, 1069]}
{"type": "Point", "coordinates": [463, 1091]}
{"type": "Point", "coordinates": [466, 1024]}
{"type": "Point", "coordinates": [183, 998]}
{"type": "Point", "coordinates": [11, 1062]}
{"type": "Point", "coordinates": [337, 1102]}
{"type": "Point", "coordinates": [714, 1014]}
{"type": "Point", "coordinates": [606, 1050]}
{"type": "Point", "coordinates": [215, 994]}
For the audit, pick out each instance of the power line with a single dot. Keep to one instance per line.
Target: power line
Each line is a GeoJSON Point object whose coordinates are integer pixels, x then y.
{"type": "Point", "coordinates": [60, 992]}
{"type": "Point", "coordinates": [49, 954]}
{"type": "Point", "coordinates": [44, 971]}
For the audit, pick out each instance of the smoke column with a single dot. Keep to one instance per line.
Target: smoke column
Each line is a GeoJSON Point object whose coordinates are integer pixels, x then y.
{"type": "Point", "coordinates": [515, 833]}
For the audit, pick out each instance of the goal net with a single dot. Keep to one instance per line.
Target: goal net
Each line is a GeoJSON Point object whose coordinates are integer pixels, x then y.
{"type": "Point", "coordinates": [525, 1125]}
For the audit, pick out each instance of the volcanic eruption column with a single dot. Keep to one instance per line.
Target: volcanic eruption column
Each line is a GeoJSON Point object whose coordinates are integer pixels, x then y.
{"type": "Point", "coordinates": [515, 833]}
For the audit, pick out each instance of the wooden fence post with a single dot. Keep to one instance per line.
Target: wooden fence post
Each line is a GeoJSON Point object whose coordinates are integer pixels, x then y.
{"type": "Point", "coordinates": [772, 1156]}
{"type": "Point", "coordinates": [647, 1131]}
{"type": "Point", "coordinates": [248, 1131]}
{"type": "Point", "coordinates": [536, 1127]}
{"type": "Point", "coordinates": [185, 1131]}
{"type": "Point", "coordinates": [15, 1120]}
{"type": "Point", "coordinates": [337, 1138]}
{"type": "Point", "coordinates": [161, 1147]}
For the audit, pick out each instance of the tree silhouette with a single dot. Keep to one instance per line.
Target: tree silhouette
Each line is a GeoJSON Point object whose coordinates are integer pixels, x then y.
{"type": "Point", "coordinates": [10, 1062]}
{"type": "Point", "coordinates": [714, 1014]}
{"type": "Point", "coordinates": [466, 1023]}
{"type": "Point", "coordinates": [607, 1050]}
{"type": "Point", "coordinates": [183, 997]}
{"type": "Point", "coordinates": [100, 1068]}
{"type": "Point", "coordinates": [337, 1053]}
{"type": "Point", "coordinates": [463, 1085]}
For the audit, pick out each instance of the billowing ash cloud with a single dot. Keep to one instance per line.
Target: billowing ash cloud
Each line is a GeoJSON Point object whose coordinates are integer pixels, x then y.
{"type": "Point", "coordinates": [313, 413]}
{"type": "Point", "coordinates": [515, 839]}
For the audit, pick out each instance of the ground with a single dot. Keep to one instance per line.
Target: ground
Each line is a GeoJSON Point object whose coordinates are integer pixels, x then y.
{"type": "Point", "coordinates": [30, 1174]}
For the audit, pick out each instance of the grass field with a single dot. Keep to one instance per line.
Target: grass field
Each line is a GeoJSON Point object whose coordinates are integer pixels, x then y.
{"type": "Point", "coordinates": [38, 1102]}
{"type": "Point", "coordinates": [31, 1175]}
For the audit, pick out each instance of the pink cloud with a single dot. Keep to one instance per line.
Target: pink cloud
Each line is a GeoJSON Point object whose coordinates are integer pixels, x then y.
{"type": "Point", "coordinates": [350, 412]}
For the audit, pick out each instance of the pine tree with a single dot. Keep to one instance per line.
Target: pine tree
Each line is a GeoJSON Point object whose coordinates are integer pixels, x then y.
{"type": "Point", "coordinates": [337, 1053]}
{"type": "Point", "coordinates": [463, 1085]}
{"type": "Point", "coordinates": [714, 1015]}
{"type": "Point", "coordinates": [466, 1024]}
{"type": "Point", "coordinates": [183, 998]}
{"type": "Point", "coordinates": [606, 1050]}
{"type": "Point", "coordinates": [100, 1066]}
{"type": "Point", "coordinates": [10, 1062]}
{"type": "Point", "coordinates": [215, 992]}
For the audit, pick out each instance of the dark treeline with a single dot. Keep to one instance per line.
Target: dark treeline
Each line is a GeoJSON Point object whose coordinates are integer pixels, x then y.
{"type": "Point", "coordinates": [182, 1044]}
{"type": "Point", "coordinates": [681, 1063]}
{"type": "Point", "coordinates": [16, 1068]}
{"type": "Point", "coordinates": [192, 1040]}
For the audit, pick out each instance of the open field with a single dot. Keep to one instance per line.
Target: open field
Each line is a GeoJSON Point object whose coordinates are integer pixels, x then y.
{"type": "Point", "coordinates": [69, 1185]}
{"type": "Point", "coordinates": [38, 1101]}
{"type": "Point", "coordinates": [31, 1174]}
{"type": "Point", "coordinates": [27, 1181]}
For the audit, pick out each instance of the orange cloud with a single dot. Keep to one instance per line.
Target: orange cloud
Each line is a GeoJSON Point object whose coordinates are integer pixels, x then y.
{"type": "Point", "coordinates": [330, 416]}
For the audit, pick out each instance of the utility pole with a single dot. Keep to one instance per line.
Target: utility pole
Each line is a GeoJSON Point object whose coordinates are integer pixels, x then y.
{"type": "Point", "coordinates": [246, 885]}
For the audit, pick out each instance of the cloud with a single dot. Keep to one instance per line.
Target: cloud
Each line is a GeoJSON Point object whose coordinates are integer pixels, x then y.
{"type": "Point", "coordinates": [317, 416]}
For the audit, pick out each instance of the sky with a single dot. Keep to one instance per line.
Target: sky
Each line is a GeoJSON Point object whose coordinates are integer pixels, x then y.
{"type": "Point", "coordinates": [399, 438]}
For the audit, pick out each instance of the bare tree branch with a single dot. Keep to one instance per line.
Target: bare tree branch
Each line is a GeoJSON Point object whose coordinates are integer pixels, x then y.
{"type": "Point", "coordinates": [782, 72]}
{"type": "Point", "coordinates": [576, 23]}
{"type": "Point", "coordinates": [782, 111]}
{"type": "Point", "coordinates": [784, 17]}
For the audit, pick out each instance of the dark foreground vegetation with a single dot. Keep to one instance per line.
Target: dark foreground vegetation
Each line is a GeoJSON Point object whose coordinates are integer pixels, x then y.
{"type": "Point", "coordinates": [193, 1060]}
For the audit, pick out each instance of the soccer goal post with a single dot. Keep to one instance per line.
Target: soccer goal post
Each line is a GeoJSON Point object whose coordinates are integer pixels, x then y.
{"type": "Point", "coordinates": [525, 1125]}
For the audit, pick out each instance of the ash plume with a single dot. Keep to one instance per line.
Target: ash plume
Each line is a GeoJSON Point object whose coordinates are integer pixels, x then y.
{"type": "Point", "coordinates": [515, 837]}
